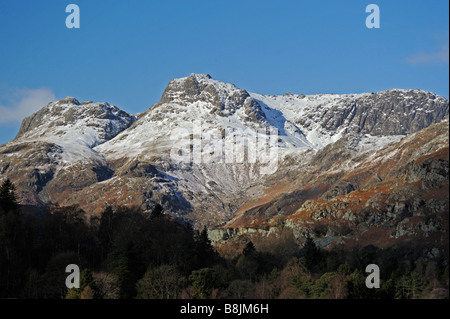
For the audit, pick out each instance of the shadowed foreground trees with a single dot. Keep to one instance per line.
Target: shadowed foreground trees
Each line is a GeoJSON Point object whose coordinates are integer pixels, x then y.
{"type": "Point", "coordinates": [126, 253]}
{"type": "Point", "coordinates": [120, 251]}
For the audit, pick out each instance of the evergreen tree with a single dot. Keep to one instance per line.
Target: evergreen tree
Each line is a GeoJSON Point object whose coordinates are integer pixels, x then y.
{"type": "Point", "coordinates": [14, 243]}
{"type": "Point", "coordinates": [106, 229]}
{"type": "Point", "coordinates": [119, 265]}
{"type": "Point", "coordinates": [204, 250]}
{"type": "Point", "coordinates": [8, 200]}
{"type": "Point", "coordinates": [249, 249]}
{"type": "Point", "coordinates": [203, 281]}
{"type": "Point", "coordinates": [323, 286]}
{"type": "Point", "coordinates": [356, 283]}
{"type": "Point", "coordinates": [311, 253]}
{"type": "Point", "coordinates": [157, 211]}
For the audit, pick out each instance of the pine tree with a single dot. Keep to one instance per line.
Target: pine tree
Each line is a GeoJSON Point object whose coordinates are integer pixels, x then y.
{"type": "Point", "coordinates": [249, 249]}
{"type": "Point", "coordinates": [106, 228]}
{"type": "Point", "coordinates": [311, 253]}
{"type": "Point", "coordinates": [8, 200]}
{"type": "Point", "coordinates": [204, 242]}
{"type": "Point", "coordinates": [203, 248]}
{"type": "Point", "coordinates": [157, 211]}
{"type": "Point", "coordinates": [203, 281]}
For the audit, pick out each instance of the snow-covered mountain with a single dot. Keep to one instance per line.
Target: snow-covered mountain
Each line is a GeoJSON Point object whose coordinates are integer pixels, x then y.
{"type": "Point", "coordinates": [301, 121]}
{"type": "Point", "coordinates": [325, 118]}
{"type": "Point", "coordinates": [52, 154]}
{"type": "Point", "coordinates": [207, 150]}
{"type": "Point", "coordinates": [76, 127]}
{"type": "Point", "coordinates": [199, 105]}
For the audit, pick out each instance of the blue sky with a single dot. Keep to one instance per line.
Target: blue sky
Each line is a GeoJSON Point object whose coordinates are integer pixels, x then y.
{"type": "Point", "coordinates": [125, 52]}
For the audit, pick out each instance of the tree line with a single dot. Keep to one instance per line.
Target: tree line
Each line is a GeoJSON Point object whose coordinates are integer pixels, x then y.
{"type": "Point", "coordinates": [127, 253]}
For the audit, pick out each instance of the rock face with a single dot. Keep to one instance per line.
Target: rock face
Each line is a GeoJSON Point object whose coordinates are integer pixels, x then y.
{"type": "Point", "coordinates": [370, 166]}
{"type": "Point", "coordinates": [393, 112]}
{"type": "Point", "coordinates": [397, 112]}
{"type": "Point", "coordinates": [325, 118]}
{"type": "Point", "coordinates": [221, 98]}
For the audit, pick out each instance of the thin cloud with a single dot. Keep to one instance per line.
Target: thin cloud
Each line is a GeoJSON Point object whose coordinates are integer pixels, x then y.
{"type": "Point", "coordinates": [437, 56]}
{"type": "Point", "coordinates": [25, 103]}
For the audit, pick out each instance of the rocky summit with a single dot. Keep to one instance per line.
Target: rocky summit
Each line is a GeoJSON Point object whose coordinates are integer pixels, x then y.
{"type": "Point", "coordinates": [343, 169]}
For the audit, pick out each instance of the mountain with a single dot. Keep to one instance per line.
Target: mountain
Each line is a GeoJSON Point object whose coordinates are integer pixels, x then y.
{"type": "Point", "coordinates": [244, 163]}
{"type": "Point", "coordinates": [52, 154]}
{"type": "Point", "coordinates": [368, 197]}
{"type": "Point", "coordinates": [325, 118]}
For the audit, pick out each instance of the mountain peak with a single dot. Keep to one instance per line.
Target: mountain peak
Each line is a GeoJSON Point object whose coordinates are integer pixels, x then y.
{"type": "Point", "coordinates": [199, 76]}
{"type": "Point", "coordinates": [68, 100]}
{"type": "Point", "coordinates": [220, 98]}
{"type": "Point", "coordinates": [68, 119]}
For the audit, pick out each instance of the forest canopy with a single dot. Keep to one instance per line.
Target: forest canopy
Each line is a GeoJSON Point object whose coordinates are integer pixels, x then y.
{"type": "Point", "coordinates": [128, 253]}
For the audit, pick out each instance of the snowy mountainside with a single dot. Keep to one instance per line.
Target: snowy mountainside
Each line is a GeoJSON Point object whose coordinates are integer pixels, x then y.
{"type": "Point", "coordinates": [324, 118]}
{"type": "Point", "coordinates": [176, 153]}
{"type": "Point", "coordinates": [198, 105]}
{"type": "Point", "coordinates": [76, 127]}
{"type": "Point", "coordinates": [52, 156]}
